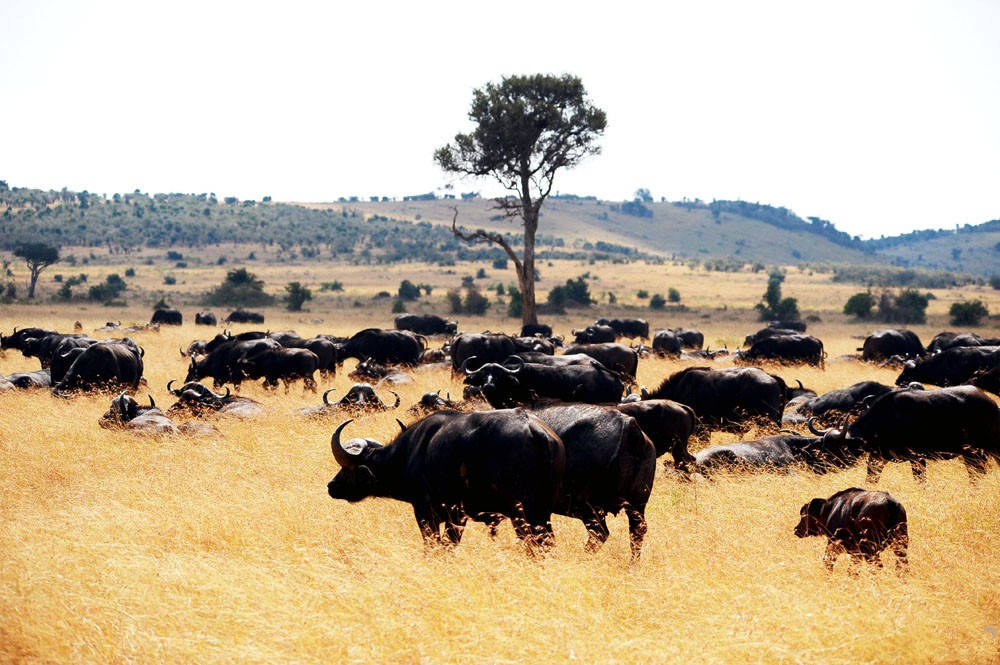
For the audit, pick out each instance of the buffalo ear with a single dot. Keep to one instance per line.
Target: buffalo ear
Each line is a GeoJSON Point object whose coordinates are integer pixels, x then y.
{"type": "Point", "coordinates": [365, 473]}
{"type": "Point", "coordinates": [814, 507]}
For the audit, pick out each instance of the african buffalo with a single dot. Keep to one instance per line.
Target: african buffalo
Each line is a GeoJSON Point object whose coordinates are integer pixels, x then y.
{"type": "Point", "coordinates": [955, 366]}
{"type": "Point", "coordinates": [626, 327]}
{"type": "Point", "coordinates": [222, 362]}
{"type": "Point", "coordinates": [243, 316]}
{"type": "Point", "coordinates": [284, 364]}
{"type": "Point", "coordinates": [616, 357]}
{"type": "Point", "coordinates": [360, 397]}
{"type": "Point", "coordinates": [485, 347]}
{"type": "Point", "coordinates": [726, 398]}
{"type": "Point", "coordinates": [205, 319]}
{"type": "Point", "coordinates": [883, 344]}
{"type": "Point", "coordinates": [859, 523]}
{"type": "Point", "coordinates": [525, 382]}
{"type": "Point", "coordinates": [667, 424]}
{"type": "Point", "coordinates": [595, 334]}
{"type": "Point", "coordinates": [917, 425]}
{"type": "Point", "coordinates": [105, 365]}
{"type": "Point", "coordinates": [533, 329]}
{"type": "Point", "coordinates": [369, 369]}
{"type": "Point", "coordinates": [451, 466]}
{"type": "Point", "coordinates": [786, 349]}
{"type": "Point", "coordinates": [666, 343]}
{"type": "Point", "coordinates": [386, 347]}
{"type": "Point", "coordinates": [40, 378]}
{"type": "Point", "coordinates": [780, 452]}
{"type": "Point", "coordinates": [167, 316]}
{"type": "Point", "coordinates": [947, 340]}
{"type": "Point", "coordinates": [425, 324]}
{"type": "Point", "coordinates": [197, 398]}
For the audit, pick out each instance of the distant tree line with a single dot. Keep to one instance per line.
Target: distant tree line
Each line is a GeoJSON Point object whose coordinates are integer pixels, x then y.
{"type": "Point", "coordinates": [783, 218]}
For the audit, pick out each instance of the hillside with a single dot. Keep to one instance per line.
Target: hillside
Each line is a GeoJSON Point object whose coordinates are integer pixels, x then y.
{"type": "Point", "coordinates": [726, 234]}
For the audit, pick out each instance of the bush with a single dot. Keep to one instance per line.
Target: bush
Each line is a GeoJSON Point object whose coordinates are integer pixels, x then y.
{"type": "Point", "coordinates": [398, 306]}
{"type": "Point", "coordinates": [574, 293]}
{"type": "Point", "coordinates": [476, 302]}
{"type": "Point", "coordinates": [130, 272]}
{"type": "Point", "coordinates": [481, 273]}
{"type": "Point", "coordinates": [774, 306]}
{"type": "Point", "coordinates": [968, 313]}
{"type": "Point", "coordinates": [169, 280]}
{"type": "Point", "coordinates": [657, 301]}
{"type": "Point", "coordinates": [995, 281]}
{"type": "Point", "coordinates": [515, 306]}
{"type": "Point", "coordinates": [174, 256]}
{"type": "Point", "coordinates": [454, 298]}
{"type": "Point", "coordinates": [642, 294]}
{"type": "Point", "coordinates": [908, 307]}
{"type": "Point", "coordinates": [500, 263]}
{"type": "Point", "coordinates": [295, 296]}
{"type": "Point", "coordinates": [860, 305]}
{"type": "Point", "coordinates": [408, 290]}
{"type": "Point", "coordinates": [331, 286]}
{"type": "Point", "coordinates": [107, 291]}
{"type": "Point", "coordinates": [240, 288]}
{"type": "Point", "coordinates": [673, 295]}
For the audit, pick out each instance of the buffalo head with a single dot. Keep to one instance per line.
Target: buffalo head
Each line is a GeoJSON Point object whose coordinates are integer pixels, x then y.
{"type": "Point", "coordinates": [811, 522]}
{"type": "Point", "coordinates": [355, 480]}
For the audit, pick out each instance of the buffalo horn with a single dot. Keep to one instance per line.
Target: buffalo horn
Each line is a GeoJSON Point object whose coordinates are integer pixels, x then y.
{"type": "Point", "coordinates": [812, 428]}
{"type": "Point", "coordinates": [402, 427]}
{"type": "Point", "coordinates": [397, 401]}
{"type": "Point", "coordinates": [643, 392]}
{"type": "Point", "coordinates": [218, 396]}
{"type": "Point", "coordinates": [142, 352]}
{"type": "Point", "coordinates": [152, 404]}
{"type": "Point", "coordinates": [520, 365]}
{"type": "Point", "coordinates": [169, 390]}
{"type": "Point", "coordinates": [799, 381]}
{"type": "Point", "coordinates": [465, 366]}
{"type": "Point", "coordinates": [325, 401]}
{"type": "Point", "coordinates": [183, 354]}
{"type": "Point", "coordinates": [15, 330]}
{"type": "Point", "coordinates": [344, 458]}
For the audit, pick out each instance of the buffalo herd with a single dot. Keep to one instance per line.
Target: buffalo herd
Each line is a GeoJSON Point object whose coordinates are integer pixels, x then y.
{"type": "Point", "coordinates": [545, 428]}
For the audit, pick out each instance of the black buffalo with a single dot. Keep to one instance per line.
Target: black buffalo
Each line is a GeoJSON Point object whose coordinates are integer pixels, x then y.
{"type": "Point", "coordinates": [668, 425]}
{"type": "Point", "coordinates": [595, 334]}
{"type": "Point", "coordinates": [857, 522]}
{"type": "Point", "coordinates": [726, 398]}
{"type": "Point", "coordinates": [205, 319]}
{"type": "Point", "coordinates": [432, 402]}
{"type": "Point", "coordinates": [386, 347]}
{"type": "Point", "coordinates": [369, 369]}
{"type": "Point", "coordinates": [616, 357]}
{"type": "Point", "coordinates": [425, 324]}
{"type": "Point", "coordinates": [917, 425]}
{"type": "Point", "coordinates": [44, 347]}
{"type": "Point", "coordinates": [610, 466]}
{"type": "Point", "coordinates": [533, 329]}
{"type": "Point", "coordinates": [244, 316]}
{"type": "Point", "coordinates": [538, 344]}
{"type": "Point", "coordinates": [197, 398]}
{"type": "Point", "coordinates": [167, 316]}
{"type": "Point", "coordinates": [780, 452]}
{"type": "Point", "coordinates": [838, 402]}
{"type": "Point", "coordinates": [790, 349]}
{"type": "Point", "coordinates": [360, 397]}
{"type": "Point", "coordinates": [626, 327]}
{"type": "Point", "coordinates": [287, 365]}
{"type": "Point", "coordinates": [987, 379]}
{"type": "Point", "coordinates": [796, 325]}
{"type": "Point", "coordinates": [109, 365]}
{"type": "Point", "coordinates": [883, 344]}
{"type": "Point", "coordinates": [768, 333]}
{"type": "Point", "coordinates": [955, 366]}
{"type": "Point", "coordinates": [690, 338]}
{"type": "Point", "coordinates": [485, 347]}
{"type": "Point", "coordinates": [40, 378]}
{"type": "Point", "coordinates": [19, 337]}
{"type": "Point", "coordinates": [126, 412]}
{"type": "Point", "coordinates": [453, 466]}
{"type": "Point", "coordinates": [666, 343]}
{"type": "Point", "coordinates": [946, 340]}
{"type": "Point", "coordinates": [222, 363]}
{"type": "Point", "coordinates": [502, 386]}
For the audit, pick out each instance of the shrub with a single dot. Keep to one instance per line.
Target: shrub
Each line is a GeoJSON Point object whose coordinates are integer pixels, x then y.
{"type": "Point", "coordinates": [108, 290]}
{"type": "Point", "coordinates": [968, 313]}
{"type": "Point", "coordinates": [454, 298]}
{"type": "Point", "coordinates": [169, 280]}
{"type": "Point", "coordinates": [398, 307]}
{"type": "Point", "coordinates": [774, 306]}
{"type": "Point", "coordinates": [500, 263]}
{"type": "Point", "coordinates": [239, 288]}
{"type": "Point", "coordinates": [481, 273]}
{"type": "Point", "coordinates": [908, 307]}
{"type": "Point", "coordinates": [295, 296]}
{"type": "Point", "coordinates": [476, 302]}
{"type": "Point", "coordinates": [331, 286]}
{"type": "Point", "coordinates": [408, 290]}
{"type": "Point", "coordinates": [657, 301]}
{"type": "Point", "coordinates": [642, 294]}
{"type": "Point", "coordinates": [515, 306]}
{"type": "Point", "coordinates": [130, 272]}
{"type": "Point", "coordinates": [995, 281]}
{"type": "Point", "coordinates": [574, 293]}
{"type": "Point", "coordinates": [673, 295]}
{"type": "Point", "coordinates": [860, 305]}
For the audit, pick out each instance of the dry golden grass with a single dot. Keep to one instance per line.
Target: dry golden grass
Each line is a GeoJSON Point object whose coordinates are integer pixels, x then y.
{"type": "Point", "coordinates": [118, 549]}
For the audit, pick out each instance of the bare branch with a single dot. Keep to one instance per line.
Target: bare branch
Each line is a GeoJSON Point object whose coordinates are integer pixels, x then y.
{"type": "Point", "coordinates": [483, 234]}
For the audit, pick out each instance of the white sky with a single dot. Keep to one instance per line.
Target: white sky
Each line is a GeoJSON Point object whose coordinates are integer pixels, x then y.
{"type": "Point", "coordinates": [880, 116]}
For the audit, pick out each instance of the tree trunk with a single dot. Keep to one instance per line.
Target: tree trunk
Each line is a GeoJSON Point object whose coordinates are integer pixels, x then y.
{"type": "Point", "coordinates": [31, 286]}
{"type": "Point", "coordinates": [529, 213]}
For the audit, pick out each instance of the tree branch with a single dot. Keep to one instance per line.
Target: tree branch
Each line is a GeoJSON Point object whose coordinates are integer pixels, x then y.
{"type": "Point", "coordinates": [482, 234]}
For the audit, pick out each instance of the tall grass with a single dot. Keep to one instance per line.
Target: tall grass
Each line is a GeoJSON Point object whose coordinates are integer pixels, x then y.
{"type": "Point", "coordinates": [123, 549]}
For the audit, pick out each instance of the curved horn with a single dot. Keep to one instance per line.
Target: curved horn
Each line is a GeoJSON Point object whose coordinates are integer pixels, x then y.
{"type": "Point", "coordinates": [394, 405]}
{"type": "Point", "coordinates": [325, 401]}
{"type": "Point", "coordinates": [152, 404]}
{"type": "Point", "coordinates": [119, 323]}
{"type": "Point", "coordinates": [169, 390]}
{"type": "Point", "coordinates": [812, 428]}
{"type": "Point", "coordinates": [799, 381]}
{"type": "Point", "coordinates": [402, 427]}
{"type": "Point", "coordinates": [142, 352]}
{"type": "Point", "coordinates": [218, 396]}
{"type": "Point", "coordinates": [643, 392]}
{"type": "Point", "coordinates": [344, 458]}
{"type": "Point", "coordinates": [15, 330]}
{"type": "Point", "coordinates": [183, 354]}
{"type": "Point", "coordinates": [520, 366]}
{"type": "Point", "coordinates": [465, 366]}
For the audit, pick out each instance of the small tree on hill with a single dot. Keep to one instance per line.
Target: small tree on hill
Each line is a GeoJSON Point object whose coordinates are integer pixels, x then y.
{"type": "Point", "coordinates": [240, 288]}
{"type": "Point", "coordinates": [774, 306]}
{"type": "Point", "coordinates": [860, 305]}
{"type": "Point", "coordinates": [408, 290]}
{"type": "Point", "coordinates": [38, 256]}
{"type": "Point", "coordinates": [295, 296]}
{"type": "Point", "coordinates": [968, 313]}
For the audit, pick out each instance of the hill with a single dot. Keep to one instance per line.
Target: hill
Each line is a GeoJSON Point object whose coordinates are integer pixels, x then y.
{"type": "Point", "coordinates": [725, 234]}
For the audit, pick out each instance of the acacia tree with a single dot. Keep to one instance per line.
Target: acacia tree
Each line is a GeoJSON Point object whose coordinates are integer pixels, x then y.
{"type": "Point", "coordinates": [527, 128]}
{"type": "Point", "coordinates": [38, 256]}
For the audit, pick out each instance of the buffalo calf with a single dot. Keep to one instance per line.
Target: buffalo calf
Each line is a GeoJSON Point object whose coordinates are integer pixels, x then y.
{"type": "Point", "coordinates": [858, 522]}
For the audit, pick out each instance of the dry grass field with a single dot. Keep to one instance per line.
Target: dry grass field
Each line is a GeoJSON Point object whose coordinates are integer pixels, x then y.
{"type": "Point", "coordinates": [123, 549]}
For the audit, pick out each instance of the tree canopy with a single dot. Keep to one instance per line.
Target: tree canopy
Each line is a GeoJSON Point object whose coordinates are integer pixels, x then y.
{"type": "Point", "coordinates": [38, 256]}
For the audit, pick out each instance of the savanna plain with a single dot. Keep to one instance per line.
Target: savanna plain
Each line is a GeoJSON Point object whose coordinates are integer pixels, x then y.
{"type": "Point", "coordinates": [123, 549]}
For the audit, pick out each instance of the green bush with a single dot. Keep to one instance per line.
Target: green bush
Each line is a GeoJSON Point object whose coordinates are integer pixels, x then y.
{"type": "Point", "coordinates": [515, 306]}
{"type": "Point", "coordinates": [295, 296]}
{"type": "Point", "coordinates": [995, 281]}
{"type": "Point", "coordinates": [108, 290]}
{"type": "Point", "coordinates": [476, 302]}
{"type": "Point", "coordinates": [240, 288]}
{"type": "Point", "coordinates": [860, 305]}
{"type": "Point", "coordinates": [500, 263]}
{"type": "Point", "coordinates": [454, 298]}
{"type": "Point", "coordinates": [169, 280]}
{"type": "Point", "coordinates": [408, 290]}
{"type": "Point", "coordinates": [673, 295]}
{"type": "Point", "coordinates": [574, 293]}
{"type": "Point", "coordinates": [331, 286]}
{"type": "Point", "coordinates": [398, 307]}
{"type": "Point", "coordinates": [774, 306]}
{"type": "Point", "coordinates": [642, 294]}
{"type": "Point", "coordinates": [968, 313]}
{"type": "Point", "coordinates": [909, 306]}
{"type": "Point", "coordinates": [657, 301]}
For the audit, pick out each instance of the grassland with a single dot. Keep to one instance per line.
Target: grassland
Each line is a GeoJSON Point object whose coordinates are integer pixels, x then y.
{"type": "Point", "coordinates": [117, 549]}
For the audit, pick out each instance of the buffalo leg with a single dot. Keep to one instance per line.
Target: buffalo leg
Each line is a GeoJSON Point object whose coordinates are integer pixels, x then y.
{"type": "Point", "coordinates": [536, 535]}
{"type": "Point", "coordinates": [310, 383]}
{"type": "Point", "coordinates": [975, 464]}
{"type": "Point", "coordinates": [597, 529]}
{"type": "Point", "coordinates": [493, 524]}
{"type": "Point", "coordinates": [833, 550]}
{"type": "Point", "coordinates": [875, 466]}
{"type": "Point", "coordinates": [430, 528]}
{"type": "Point", "coordinates": [636, 529]}
{"type": "Point", "coordinates": [900, 540]}
{"type": "Point", "coordinates": [454, 525]}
